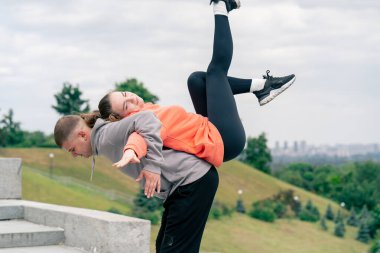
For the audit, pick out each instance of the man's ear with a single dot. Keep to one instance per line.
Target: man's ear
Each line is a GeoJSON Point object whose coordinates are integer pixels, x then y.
{"type": "Point", "coordinates": [82, 134]}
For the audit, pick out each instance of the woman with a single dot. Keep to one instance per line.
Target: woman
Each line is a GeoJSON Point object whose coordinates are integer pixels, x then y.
{"type": "Point", "coordinates": [215, 133]}
{"type": "Point", "coordinates": [188, 183]}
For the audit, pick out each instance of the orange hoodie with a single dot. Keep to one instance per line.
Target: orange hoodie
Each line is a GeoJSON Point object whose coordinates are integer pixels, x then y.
{"type": "Point", "coordinates": [182, 131]}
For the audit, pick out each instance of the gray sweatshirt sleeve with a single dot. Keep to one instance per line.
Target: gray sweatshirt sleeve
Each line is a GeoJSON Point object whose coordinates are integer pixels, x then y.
{"type": "Point", "coordinates": [148, 126]}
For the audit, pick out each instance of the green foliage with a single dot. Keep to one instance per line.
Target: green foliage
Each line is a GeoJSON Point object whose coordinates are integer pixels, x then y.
{"type": "Point", "coordinates": [324, 224]}
{"type": "Point", "coordinates": [329, 213]}
{"type": "Point", "coordinates": [149, 209]}
{"type": "Point", "coordinates": [257, 153]}
{"type": "Point", "coordinates": [133, 85]}
{"type": "Point", "coordinates": [370, 220]}
{"type": "Point", "coordinates": [363, 233]}
{"type": "Point", "coordinates": [299, 174]}
{"type": "Point", "coordinates": [11, 134]}
{"type": "Point", "coordinates": [219, 209]}
{"type": "Point", "coordinates": [268, 210]}
{"type": "Point", "coordinates": [375, 226]}
{"type": "Point", "coordinates": [352, 220]}
{"type": "Point", "coordinates": [69, 101]}
{"type": "Point", "coordinates": [240, 206]}
{"type": "Point", "coordinates": [263, 213]}
{"type": "Point", "coordinates": [278, 206]}
{"type": "Point", "coordinates": [307, 215]}
{"type": "Point", "coordinates": [339, 229]}
{"type": "Point", "coordinates": [375, 248]}
{"type": "Point", "coordinates": [355, 184]}
{"type": "Point", "coordinates": [338, 217]}
{"type": "Point", "coordinates": [312, 209]}
{"type": "Point", "coordinates": [10, 130]}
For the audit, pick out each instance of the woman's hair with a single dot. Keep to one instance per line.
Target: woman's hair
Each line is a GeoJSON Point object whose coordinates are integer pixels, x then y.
{"type": "Point", "coordinates": [65, 125]}
{"type": "Point", "coordinates": [105, 109]}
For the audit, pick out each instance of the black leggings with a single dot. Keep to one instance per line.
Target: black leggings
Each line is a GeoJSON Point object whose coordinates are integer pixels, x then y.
{"type": "Point", "coordinates": [213, 92]}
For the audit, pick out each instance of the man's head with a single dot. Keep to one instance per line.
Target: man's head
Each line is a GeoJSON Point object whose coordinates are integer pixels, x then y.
{"type": "Point", "coordinates": [74, 135]}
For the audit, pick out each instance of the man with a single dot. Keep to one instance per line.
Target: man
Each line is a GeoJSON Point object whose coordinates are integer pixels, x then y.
{"type": "Point", "coordinates": [186, 183]}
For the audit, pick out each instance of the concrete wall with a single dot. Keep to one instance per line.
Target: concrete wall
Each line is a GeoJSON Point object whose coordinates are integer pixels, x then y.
{"type": "Point", "coordinates": [10, 178]}
{"type": "Point", "coordinates": [91, 230]}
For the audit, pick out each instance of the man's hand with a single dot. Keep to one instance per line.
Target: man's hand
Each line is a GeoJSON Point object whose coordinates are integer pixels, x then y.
{"type": "Point", "coordinates": [129, 156]}
{"type": "Point", "coordinates": [152, 181]}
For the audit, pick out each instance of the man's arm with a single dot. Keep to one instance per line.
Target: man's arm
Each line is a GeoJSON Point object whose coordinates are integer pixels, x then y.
{"type": "Point", "coordinates": [148, 126]}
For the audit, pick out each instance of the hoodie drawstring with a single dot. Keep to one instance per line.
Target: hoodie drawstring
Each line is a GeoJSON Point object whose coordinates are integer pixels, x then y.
{"type": "Point", "coordinates": [92, 167]}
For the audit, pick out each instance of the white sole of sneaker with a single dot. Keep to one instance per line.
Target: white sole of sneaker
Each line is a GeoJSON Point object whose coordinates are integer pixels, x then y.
{"type": "Point", "coordinates": [275, 93]}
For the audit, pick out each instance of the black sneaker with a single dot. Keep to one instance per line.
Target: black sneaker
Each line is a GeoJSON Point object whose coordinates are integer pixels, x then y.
{"type": "Point", "coordinates": [273, 87]}
{"type": "Point", "coordinates": [230, 4]}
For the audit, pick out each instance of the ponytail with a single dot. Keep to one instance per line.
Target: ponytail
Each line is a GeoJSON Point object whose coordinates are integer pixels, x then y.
{"type": "Point", "coordinates": [90, 118]}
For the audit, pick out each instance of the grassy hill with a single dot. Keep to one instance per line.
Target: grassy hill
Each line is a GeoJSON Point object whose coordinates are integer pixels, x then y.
{"type": "Point", "coordinates": [110, 188]}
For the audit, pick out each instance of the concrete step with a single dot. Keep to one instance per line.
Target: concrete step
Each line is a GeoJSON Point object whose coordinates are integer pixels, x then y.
{"type": "Point", "coordinates": [46, 249]}
{"type": "Point", "coordinates": [11, 212]}
{"type": "Point", "coordinates": [21, 233]}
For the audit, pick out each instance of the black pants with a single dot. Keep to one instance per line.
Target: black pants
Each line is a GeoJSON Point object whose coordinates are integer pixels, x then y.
{"type": "Point", "coordinates": [185, 215]}
{"type": "Point", "coordinates": [213, 92]}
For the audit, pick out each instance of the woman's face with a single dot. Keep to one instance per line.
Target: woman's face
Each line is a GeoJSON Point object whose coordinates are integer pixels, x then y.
{"type": "Point", "coordinates": [124, 103]}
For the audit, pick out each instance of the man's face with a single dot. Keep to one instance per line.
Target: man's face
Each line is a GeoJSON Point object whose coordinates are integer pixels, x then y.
{"type": "Point", "coordinates": [78, 144]}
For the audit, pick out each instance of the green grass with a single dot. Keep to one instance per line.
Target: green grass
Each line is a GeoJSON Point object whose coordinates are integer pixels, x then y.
{"type": "Point", "coordinates": [105, 177]}
{"type": "Point", "coordinates": [39, 187]}
{"type": "Point", "coordinates": [110, 188]}
{"type": "Point", "coordinates": [242, 234]}
{"type": "Point", "coordinates": [245, 234]}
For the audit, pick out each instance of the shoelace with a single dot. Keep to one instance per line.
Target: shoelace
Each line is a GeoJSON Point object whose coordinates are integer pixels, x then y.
{"type": "Point", "coordinates": [268, 76]}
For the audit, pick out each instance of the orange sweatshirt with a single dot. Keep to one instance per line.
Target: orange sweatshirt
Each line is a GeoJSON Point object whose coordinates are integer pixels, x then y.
{"type": "Point", "coordinates": [183, 131]}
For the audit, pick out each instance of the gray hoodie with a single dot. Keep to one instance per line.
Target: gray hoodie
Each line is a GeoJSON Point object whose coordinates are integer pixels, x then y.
{"type": "Point", "coordinates": [176, 167]}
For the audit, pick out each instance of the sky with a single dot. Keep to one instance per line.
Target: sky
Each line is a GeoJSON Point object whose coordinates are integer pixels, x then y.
{"type": "Point", "coordinates": [333, 47]}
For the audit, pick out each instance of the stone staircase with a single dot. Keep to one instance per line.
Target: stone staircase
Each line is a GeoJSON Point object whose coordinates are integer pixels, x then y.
{"type": "Point", "coordinates": [19, 235]}
{"type": "Point", "coordinates": [29, 227]}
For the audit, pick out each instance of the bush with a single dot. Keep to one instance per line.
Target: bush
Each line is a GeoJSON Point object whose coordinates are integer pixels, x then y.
{"type": "Point", "coordinates": [375, 247]}
{"type": "Point", "coordinates": [219, 209]}
{"type": "Point", "coordinates": [266, 210]}
{"type": "Point", "coordinates": [263, 214]}
{"type": "Point", "coordinates": [339, 229]}
{"type": "Point", "coordinates": [286, 198]}
{"type": "Point", "coordinates": [306, 215]}
{"type": "Point", "coordinates": [148, 209]}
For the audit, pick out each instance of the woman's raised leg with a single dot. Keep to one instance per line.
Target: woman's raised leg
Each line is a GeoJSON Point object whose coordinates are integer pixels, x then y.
{"type": "Point", "coordinates": [221, 106]}
{"type": "Point", "coordinates": [212, 92]}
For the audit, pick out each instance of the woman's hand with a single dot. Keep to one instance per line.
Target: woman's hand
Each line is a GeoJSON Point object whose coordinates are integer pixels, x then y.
{"type": "Point", "coordinates": [152, 181]}
{"type": "Point", "coordinates": [129, 156]}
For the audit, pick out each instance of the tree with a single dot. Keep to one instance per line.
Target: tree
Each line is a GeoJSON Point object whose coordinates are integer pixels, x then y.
{"type": "Point", "coordinates": [339, 229]}
{"type": "Point", "coordinates": [312, 209]}
{"type": "Point", "coordinates": [10, 130]}
{"type": "Point", "coordinates": [133, 85]}
{"type": "Point", "coordinates": [352, 219]}
{"type": "Point", "coordinates": [363, 233]}
{"type": "Point", "coordinates": [69, 100]}
{"type": "Point", "coordinates": [338, 217]}
{"type": "Point", "coordinates": [240, 206]}
{"type": "Point", "coordinates": [375, 247]}
{"type": "Point", "coordinates": [324, 224]}
{"type": "Point", "coordinates": [144, 208]}
{"type": "Point", "coordinates": [257, 153]}
{"type": "Point", "coordinates": [329, 213]}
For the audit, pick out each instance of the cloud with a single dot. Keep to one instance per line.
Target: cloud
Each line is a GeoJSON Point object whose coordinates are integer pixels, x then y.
{"type": "Point", "coordinates": [332, 46]}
